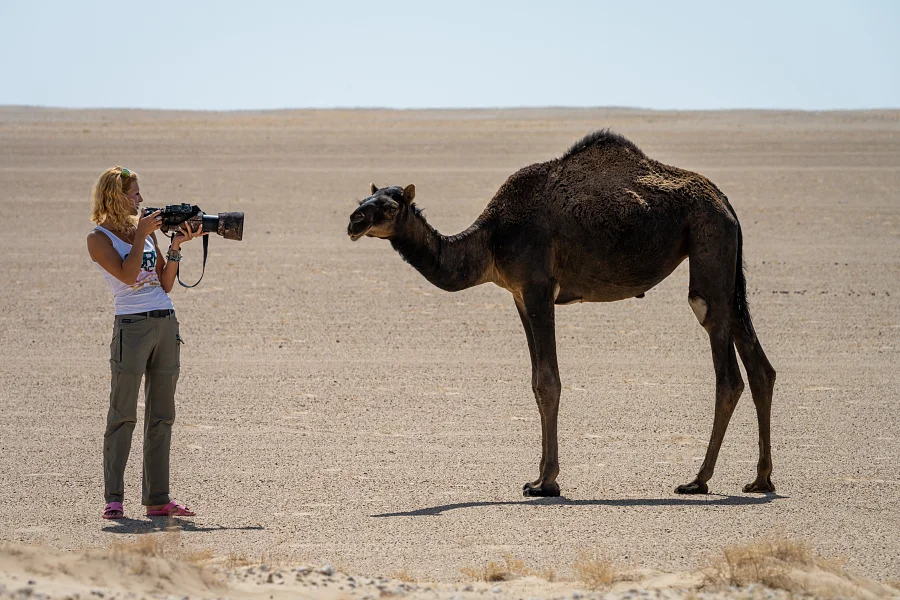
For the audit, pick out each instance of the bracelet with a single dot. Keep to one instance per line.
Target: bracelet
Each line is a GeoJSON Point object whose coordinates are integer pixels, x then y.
{"type": "Point", "coordinates": [173, 255]}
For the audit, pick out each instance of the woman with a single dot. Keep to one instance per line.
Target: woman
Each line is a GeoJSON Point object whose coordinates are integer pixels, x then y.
{"type": "Point", "coordinates": [146, 342]}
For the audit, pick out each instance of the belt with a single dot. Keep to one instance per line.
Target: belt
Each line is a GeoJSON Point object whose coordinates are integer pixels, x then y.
{"type": "Point", "coordinates": [153, 314]}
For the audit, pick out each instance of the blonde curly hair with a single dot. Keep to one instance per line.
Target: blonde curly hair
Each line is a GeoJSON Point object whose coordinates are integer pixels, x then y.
{"type": "Point", "coordinates": [109, 204]}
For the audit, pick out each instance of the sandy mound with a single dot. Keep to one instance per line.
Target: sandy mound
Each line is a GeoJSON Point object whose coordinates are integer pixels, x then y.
{"type": "Point", "coordinates": [153, 567]}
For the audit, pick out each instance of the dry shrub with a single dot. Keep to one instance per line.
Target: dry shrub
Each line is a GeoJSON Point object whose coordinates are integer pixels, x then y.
{"type": "Point", "coordinates": [236, 560]}
{"type": "Point", "coordinates": [158, 545]}
{"type": "Point", "coordinates": [162, 545]}
{"type": "Point", "coordinates": [168, 545]}
{"type": "Point", "coordinates": [200, 557]}
{"type": "Point", "coordinates": [791, 566]}
{"type": "Point", "coordinates": [767, 562]}
{"type": "Point", "coordinates": [510, 568]}
{"type": "Point", "coordinates": [403, 575]}
{"type": "Point", "coordinates": [593, 570]}
{"type": "Point", "coordinates": [147, 555]}
{"type": "Point", "coordinates": [490, 572]}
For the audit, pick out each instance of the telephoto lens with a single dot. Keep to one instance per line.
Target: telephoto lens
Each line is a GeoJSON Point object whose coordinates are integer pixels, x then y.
{"type": "Point", "coordinates": [230, 225]}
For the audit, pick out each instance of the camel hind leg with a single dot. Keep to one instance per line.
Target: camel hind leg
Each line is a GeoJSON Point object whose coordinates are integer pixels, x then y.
{"type": "Point", "coordinates": [729, 386]}
{"type": "Point", "coordinates": [759, 370]}
{"type": "Point", "coordinates": [761, 376]}
{"type": "Point", "coordinates": [711, 297]}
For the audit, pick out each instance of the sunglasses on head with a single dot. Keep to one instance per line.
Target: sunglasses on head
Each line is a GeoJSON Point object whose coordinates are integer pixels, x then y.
{"type": "Point", "coordinates": [126, 173]}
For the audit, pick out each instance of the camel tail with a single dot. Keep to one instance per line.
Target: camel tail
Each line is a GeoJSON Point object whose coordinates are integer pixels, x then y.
{"type": "Point", "coordinates": [740, 285]}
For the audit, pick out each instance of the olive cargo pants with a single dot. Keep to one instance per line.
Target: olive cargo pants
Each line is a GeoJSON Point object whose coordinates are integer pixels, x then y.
{"type": "Point", "coordinates": [142, 347]}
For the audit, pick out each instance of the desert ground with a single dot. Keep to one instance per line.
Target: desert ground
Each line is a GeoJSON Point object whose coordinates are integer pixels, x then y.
{"type": "Point", "coordinates": [335, 408]}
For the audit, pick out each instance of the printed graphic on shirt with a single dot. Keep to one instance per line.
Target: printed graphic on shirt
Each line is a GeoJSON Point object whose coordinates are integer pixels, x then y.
{"type": "Point", "coordinates": [147, 278]}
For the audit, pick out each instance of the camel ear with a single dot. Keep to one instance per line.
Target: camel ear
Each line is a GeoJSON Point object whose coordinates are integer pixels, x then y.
{"type": "Point", "coordinates": [373, 188]}
{"type": "Point", "coordinates": [409, 193]}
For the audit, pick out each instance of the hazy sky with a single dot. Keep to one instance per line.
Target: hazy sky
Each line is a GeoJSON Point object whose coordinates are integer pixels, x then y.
{"type": "Point", "coordinates": [256, 54]}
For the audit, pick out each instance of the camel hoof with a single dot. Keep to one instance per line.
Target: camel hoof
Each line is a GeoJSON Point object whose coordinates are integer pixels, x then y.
{"type": "Point", "coordinates": [764, 486]}
{"type": "Point", "coordinates": [694, 487]}
{"type": "Point", "coordinates": [540, 489]}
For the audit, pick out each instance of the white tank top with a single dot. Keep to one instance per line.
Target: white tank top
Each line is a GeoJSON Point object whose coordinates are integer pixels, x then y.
{"type": "Point", "coordinates": [146, 293]}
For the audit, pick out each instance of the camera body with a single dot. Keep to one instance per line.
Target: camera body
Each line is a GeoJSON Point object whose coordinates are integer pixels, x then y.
{"type": "Point", "coordinates": [230, 225]}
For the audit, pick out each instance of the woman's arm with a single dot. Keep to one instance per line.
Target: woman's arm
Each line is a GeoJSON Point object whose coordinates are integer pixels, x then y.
{"type": "Point", "coordinates": [161, 264]}
{"type": "Point", "coordinates": [102, 252]}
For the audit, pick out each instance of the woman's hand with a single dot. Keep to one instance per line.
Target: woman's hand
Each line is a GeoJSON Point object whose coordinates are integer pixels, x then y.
{"type": "Point", "coordinates": [148, 225]}
{"type": "Point", "coordinates": [185, 234]}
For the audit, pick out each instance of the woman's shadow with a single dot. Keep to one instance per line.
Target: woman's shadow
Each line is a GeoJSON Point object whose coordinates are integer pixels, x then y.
{"type": "Point", "coordinates": [159, 524]}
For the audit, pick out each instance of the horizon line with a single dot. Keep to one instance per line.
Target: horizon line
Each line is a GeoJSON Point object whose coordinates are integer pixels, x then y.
{"type": "Point", "coordinates": [443, 109]}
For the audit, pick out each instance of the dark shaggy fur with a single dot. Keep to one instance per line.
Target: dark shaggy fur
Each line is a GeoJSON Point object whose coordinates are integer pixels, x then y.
{"type": "Point", "coordinates": [602, 137]}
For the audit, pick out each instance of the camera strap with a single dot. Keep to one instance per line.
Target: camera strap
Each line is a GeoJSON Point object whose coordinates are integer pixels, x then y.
{"type": "Point", "coordinates": [205, 252]}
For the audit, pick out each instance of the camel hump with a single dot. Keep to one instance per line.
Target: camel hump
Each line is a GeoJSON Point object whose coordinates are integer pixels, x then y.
{"type": "Point", "coordinates": [603, 138]}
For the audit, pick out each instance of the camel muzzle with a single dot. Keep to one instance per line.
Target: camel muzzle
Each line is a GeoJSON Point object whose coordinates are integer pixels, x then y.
{"type": "Point", "coordinates": [357, 229]}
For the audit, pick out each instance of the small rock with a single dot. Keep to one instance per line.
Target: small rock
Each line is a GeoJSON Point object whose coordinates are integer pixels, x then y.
{"type": "Point", "coordinates": [576, 595]}
{"type": "Point", "coordinates": [468, 588]}
{"type": "Point", "coordinates": [327, 570]}
{"type": "Point", "coordinates": [495, 589]}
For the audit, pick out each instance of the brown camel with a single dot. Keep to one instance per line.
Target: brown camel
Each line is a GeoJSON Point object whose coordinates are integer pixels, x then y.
{"type": "Point", "coordinates": [602, 223]}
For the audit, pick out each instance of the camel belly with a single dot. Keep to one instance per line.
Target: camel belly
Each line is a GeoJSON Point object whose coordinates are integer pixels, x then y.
{"type": "Point", "coordinates": [609, 283]}
{"type": "Point", "coordinates": [611, 268]}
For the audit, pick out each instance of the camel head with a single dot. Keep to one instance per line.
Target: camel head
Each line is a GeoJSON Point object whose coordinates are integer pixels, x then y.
{"type": "Point", "coordinates": [379, 214]}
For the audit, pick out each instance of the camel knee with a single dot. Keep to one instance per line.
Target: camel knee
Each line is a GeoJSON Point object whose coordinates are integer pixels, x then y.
{"type": "Point", "coordinates": [730, 390]}
{"type": "Point", "coordinates": [769, 374]}
{"type": "Point", "coordinates": [762, 382]}
{"type": "Point", "coordinates": [546, 387]}
{"type": "Point", "coordinates": [737, 388]}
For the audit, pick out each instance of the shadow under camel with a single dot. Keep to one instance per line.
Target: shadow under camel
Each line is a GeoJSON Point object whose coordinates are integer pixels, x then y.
{"type": "Point", "coordinates": [714, 500]}
{"type": "Point", "coordinates": [150, 525]}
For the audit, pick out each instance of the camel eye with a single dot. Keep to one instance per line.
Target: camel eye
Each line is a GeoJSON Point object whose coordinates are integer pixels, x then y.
{"type": "Point", "coordinates": [391, 210]}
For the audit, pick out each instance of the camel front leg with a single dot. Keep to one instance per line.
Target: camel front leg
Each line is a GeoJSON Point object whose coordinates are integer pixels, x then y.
{"type": "Point", "coordinates": [537, 313]}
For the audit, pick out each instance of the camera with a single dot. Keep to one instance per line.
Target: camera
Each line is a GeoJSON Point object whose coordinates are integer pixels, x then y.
{"type": "Point", "coordinates": [230, 225]}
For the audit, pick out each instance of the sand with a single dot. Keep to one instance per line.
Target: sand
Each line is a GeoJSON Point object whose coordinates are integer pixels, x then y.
{"type": "Point", "coordinates": [335, 408]}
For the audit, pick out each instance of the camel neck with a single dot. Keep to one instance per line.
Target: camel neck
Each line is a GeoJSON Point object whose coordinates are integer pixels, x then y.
{"type": "Point", "coordinates": [451, 263]}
